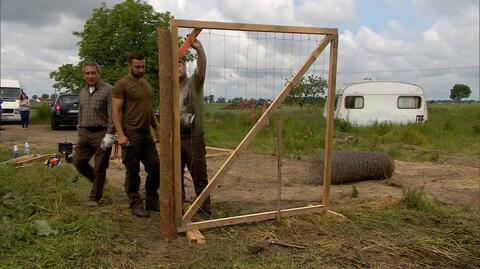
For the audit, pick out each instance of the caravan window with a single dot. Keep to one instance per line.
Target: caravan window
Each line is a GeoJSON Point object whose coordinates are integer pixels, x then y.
{"type": "Point", "coordinates": [354, 102]}
{"type": "Point", "coordinates": [409, 102]}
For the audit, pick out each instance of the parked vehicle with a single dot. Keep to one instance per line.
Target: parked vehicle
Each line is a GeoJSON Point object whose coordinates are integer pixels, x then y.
{"type": "Point", "coordinates": [65, 110]}
{"type": "Point", "coordinates": [10, 91]}
{"type": "Point", "coordinates": [367, 102]}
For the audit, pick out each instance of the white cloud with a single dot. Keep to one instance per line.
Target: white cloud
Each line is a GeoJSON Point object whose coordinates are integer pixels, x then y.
{"type": "Point", "coordinates": [325, 12]}
{"type": "Point", "coordinates": [448, 8]}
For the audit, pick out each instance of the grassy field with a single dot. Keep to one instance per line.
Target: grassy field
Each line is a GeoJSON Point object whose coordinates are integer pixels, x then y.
{"type": "Point", "coordinates": [452, 129]}
{"type": "Point", "coordinates": [415, 232]}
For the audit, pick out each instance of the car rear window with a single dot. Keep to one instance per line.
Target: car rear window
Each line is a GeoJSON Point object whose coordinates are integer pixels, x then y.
{"type": "Point", "coordinates": [68, 99]}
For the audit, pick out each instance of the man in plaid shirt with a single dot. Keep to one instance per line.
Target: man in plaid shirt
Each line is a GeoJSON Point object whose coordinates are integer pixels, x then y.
{"type": "Point", "coordinates": [94, 122]}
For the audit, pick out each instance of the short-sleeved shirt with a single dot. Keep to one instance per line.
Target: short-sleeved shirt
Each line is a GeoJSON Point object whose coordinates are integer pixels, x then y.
{"type": "Point", "coordinates": [191, 90]}
{"type": "Point", "coordinates": [95, 109]}
{"type": "Point", "coordinates": [137, 109]}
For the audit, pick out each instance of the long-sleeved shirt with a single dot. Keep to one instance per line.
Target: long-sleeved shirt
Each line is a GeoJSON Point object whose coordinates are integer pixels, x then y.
{"type": "Point", "coordinates": [95, 109]}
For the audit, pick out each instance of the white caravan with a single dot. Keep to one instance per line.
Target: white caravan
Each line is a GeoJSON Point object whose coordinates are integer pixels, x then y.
{"type": "Point", "coordinates": [10, 91]}
{"type": "Point", "coordinates": [367, 102]}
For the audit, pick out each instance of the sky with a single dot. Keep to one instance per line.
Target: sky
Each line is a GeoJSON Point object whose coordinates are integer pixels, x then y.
{"type": "Point", "coordinates": [431, 43]}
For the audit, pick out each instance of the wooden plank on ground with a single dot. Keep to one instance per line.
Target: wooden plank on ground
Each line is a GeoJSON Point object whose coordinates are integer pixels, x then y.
{"type": "Point", "coordinates": [211, 155]}
{"type": "Point", "coordinates": [191, 236]}
{"type": "Point", "coordinates": [219, 149]}
{"type": "Point", "coordinates": [252, 218]}
{"type": "Point", "coordinates": [23, 160]}
{"type": "Point", "coordinates": [200, 238]}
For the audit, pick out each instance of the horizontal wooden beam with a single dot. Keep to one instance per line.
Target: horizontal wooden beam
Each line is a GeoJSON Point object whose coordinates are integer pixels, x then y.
{"type": "Point", "coordinates": [252, 27]}
{"type": "Point", "coordinates": [219, 149]}
{"type": "Point", "coordinates": [252, 218]}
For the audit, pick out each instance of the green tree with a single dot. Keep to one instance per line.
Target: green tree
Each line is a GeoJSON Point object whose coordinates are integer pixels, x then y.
{"type": "Point", "coordinates": [68, 77]}
{"type": "Point", "coordinates": [44, 95]}
{"type": "Point", "coordinates": [211, 98]}
{"type": "Point", "coordinates": [34, 97]}
{"type": "Point", "coordinates": [107, 37]}
{"type": "Point", "coordinates": [460, 91]}
{"type": "Point", "coordinates": [309, 89]}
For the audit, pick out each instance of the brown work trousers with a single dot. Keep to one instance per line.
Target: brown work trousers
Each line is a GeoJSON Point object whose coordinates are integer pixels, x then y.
{"type": "Point", "coordinates": [88, 145]}
{"type": "Point", "coordinates": [142, 149]}
{"type": "Point", "coordinates": [193, 156]}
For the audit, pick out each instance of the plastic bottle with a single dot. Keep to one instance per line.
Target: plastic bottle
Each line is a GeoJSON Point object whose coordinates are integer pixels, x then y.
{"type": "Point", "coordinates": [15, 151]}
{"type": "Point", "coordinates": [26, 149]}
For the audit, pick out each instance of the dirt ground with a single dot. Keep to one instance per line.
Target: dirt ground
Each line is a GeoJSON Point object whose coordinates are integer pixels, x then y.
{"type": "Point", "coordinates": [251, 184]}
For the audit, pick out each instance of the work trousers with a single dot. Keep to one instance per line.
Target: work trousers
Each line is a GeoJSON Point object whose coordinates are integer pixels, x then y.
{"type": "Point", "coordinates": [193, 153]}
{"type": "Point", "coordinates": [88, 145]}
{"type": "Point", "coordinates": [141, 149]}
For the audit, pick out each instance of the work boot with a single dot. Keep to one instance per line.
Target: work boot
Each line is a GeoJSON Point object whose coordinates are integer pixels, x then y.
{"type": "Point", "coordinates": [152, 203]}
{"type": "Point", "coordinates": [140, 212]}
{"type": "Point", "coordinates": [136, 204]}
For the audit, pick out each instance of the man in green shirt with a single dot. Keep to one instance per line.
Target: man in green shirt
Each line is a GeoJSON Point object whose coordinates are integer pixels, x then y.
{"type": "Point", "coordinates": [133, 116]}
{"type": "Point", "coordinates": [192, 125]}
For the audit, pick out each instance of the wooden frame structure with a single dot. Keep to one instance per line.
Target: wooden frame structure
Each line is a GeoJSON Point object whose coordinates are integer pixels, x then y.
{"type": "Point", "coordinates": [172, 220]}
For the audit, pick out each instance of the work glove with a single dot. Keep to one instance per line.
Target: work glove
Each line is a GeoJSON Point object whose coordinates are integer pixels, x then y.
{"type": "Point", "coordinates": [107, 141]}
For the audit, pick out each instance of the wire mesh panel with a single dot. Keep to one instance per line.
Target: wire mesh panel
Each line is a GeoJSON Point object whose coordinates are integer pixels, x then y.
{"type": "Point", "coordinates": [251, 71]}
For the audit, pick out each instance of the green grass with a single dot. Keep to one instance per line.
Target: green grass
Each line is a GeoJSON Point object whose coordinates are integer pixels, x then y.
{"type": "Point", "coordinates": [84, 240]}
{"type": "Point", "coordinates": [40, 113]}
{"type": "Point", "coordinates": [452, 129]}
{"type": "Point", "coordinates": [416, 232]}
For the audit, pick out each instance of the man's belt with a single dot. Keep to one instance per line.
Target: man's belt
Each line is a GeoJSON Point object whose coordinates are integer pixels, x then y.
{"type": "Point", "coordinates": [95, 128]}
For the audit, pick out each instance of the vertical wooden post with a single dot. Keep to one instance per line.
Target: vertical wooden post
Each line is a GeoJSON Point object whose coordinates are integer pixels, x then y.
{"type": "Point", "coordinates": [332, 76]}
{"type": "Point", "coordinates": [279, 167]}
{"type": "Point", "coordinates": [168, 228]}
{"type": "Point", "coordinates": [176, 126]}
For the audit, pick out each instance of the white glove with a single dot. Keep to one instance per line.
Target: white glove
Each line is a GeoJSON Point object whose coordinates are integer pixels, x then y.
{"type": "Point", "coordinates": [107, 141]}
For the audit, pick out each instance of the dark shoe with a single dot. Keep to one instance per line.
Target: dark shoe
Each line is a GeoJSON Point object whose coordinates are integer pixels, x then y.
{"type": "Point", "coordinates": [140, 212]}
{"type": "Point", "coordinates": [136, 204]}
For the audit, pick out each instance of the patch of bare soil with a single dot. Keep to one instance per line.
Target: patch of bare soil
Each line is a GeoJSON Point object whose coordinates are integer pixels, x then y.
{"type": "Point", "coordinates": [251, 183]}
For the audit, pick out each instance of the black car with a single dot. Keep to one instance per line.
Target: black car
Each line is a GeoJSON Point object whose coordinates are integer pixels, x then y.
{"type": "Point", "coordinates": [65, 110]}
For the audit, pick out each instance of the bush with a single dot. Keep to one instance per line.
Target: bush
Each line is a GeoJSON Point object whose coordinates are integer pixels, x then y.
{"type": "Point", "coordinates": [40, 114]}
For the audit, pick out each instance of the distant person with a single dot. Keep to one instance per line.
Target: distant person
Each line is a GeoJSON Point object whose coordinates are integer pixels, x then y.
{"type": "Point", "coordinates": [94, 123]}
{"type": "Point", "coordinates": [24, 109]}
{"type": "Point", "coordinates": [1, 101]}
{"type": "Point", "coordinates": [193, 151]}
{"type": "Point", "coordinates": [133, 116]}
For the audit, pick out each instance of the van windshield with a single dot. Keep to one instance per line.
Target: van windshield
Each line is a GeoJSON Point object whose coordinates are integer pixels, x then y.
{"type": "Point", "coordinates": [10, 93]}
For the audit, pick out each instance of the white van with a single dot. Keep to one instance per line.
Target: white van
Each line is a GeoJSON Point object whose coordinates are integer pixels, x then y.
{"type": "Point", "coordinates": [10, 92]}
{"type": "Point", "coordinates": [367, 102]}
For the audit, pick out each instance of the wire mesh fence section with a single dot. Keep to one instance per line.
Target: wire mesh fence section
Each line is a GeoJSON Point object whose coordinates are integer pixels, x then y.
{"type": "Point", "coordinates": [242, 65]}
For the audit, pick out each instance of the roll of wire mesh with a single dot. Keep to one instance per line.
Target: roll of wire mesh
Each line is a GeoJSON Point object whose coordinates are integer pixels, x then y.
{"type": "Point", "coordinates": [353, 166]}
